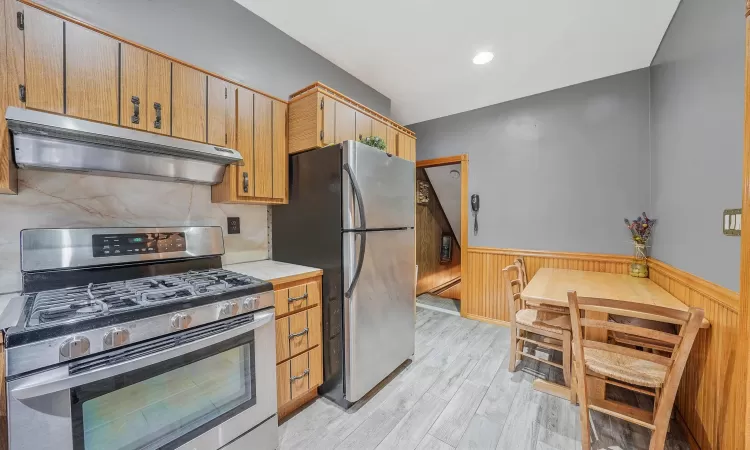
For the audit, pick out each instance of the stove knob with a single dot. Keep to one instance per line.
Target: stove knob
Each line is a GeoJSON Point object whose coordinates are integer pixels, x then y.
{"type": "Point", "coordinates": [180, 321]}
{"type": "Point", "coordinates": [74, 347]}
{"type": "Point", "coordinates": [228, 309]}
{"type": "Point", "coordinates": [116, 337]}
{"type": "Point", "coordinates": [250, 303]}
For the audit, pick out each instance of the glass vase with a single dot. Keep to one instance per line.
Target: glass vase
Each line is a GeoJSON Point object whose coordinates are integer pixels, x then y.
{"type": "Point", "coordinates": [639, 266]}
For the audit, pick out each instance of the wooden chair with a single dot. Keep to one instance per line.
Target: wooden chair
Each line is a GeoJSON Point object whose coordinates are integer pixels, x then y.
{"type": "Point", "coordinates": [525, 280]}
{"type": "Point", "coordinates": [621, 365]}
{"type": "Point", "coordinates": [525, 323]}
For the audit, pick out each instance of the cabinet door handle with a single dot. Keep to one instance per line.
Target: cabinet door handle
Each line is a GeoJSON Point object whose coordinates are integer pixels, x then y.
{"type": "Point", "coordinates": [135, 118]}
{"type": "Point", "coordinates": [302, 375]}
{"type": "Point", "coordinates": [157, 122]}
{"type": "Point", "coordinates": [245, 182]}
{"type": "Point", "coordinates": [301, 333]}
{"type": "Point", "coordinates": [294, 299]}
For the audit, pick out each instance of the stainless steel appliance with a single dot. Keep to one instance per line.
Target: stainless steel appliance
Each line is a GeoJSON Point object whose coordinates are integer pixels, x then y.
{"type": "Point", "coordinates": [136, 338]}
{"type": "Point", "coordinates": [53, 142]}
{"type": "Point", "coordinates": [351, 213]}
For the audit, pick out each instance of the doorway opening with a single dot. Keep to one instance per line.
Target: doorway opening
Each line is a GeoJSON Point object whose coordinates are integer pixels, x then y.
{"type": "Point", "coordinates": [441, 232]}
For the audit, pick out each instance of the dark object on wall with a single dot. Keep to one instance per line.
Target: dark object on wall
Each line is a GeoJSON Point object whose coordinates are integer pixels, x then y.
{"type": "Point", "coordinates": [233, 225]}
{"type": "Point", "coordinates": [446, 248]}
{"type": "Point", "coordinates": [475, 209]}
{"type": "Point", "coordinates": [423, 192]}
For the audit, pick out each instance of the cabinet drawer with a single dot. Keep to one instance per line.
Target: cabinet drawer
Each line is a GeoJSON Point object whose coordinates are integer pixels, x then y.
{"type": "Point", "coordinates": [297, 333]}
{"type": "Point", "coordinates": [296, 298]}
{"type": "Point", "coordinates": [298, 375]}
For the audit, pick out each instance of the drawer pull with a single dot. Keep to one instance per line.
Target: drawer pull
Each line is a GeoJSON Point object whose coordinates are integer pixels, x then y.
{"type": "Point", "coordinates": [298, 377]}
{"type": "Point", "coordinates": [294, 299]}
{"type": "Point", "coordinates": [301, 333]}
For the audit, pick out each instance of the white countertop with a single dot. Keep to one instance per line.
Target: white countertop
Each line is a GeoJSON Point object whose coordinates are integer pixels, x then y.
{"type": "Point", "coordinates": [270, 270]}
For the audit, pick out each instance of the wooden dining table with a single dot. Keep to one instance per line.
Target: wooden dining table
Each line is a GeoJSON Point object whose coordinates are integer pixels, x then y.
{"type": "Point", "coordinates": [551, 286]}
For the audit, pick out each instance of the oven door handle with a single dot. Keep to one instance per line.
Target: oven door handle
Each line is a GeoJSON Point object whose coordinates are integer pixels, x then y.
{"type": "Point", "coordinates": [59, 380]}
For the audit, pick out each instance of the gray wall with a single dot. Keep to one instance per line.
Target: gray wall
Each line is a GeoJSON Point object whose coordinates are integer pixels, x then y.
{"type": "Point", "coordinates": [554, 171]}
{"type": "Point", "coordinates": [697, 94]}
{"type": "Point", "coordinates": [223, 37]}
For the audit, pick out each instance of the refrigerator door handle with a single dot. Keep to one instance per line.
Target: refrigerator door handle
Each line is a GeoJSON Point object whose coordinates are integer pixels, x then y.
{"type": "Point", "coordinates": [362, 234]}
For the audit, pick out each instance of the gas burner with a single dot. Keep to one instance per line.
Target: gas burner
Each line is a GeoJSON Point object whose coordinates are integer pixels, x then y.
{"type": "Point", "coordinates": [79, 303]}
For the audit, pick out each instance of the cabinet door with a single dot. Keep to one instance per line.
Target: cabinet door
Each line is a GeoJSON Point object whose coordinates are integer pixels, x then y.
{"type": "Point", "coordinates": [231, 115]}
{"type": "Point", "coordinates": [364, 126]}
{"type": "Point", "coordinates": [391, 141]}
{"type": "Point", "coordinates": [328, 120]}
{"type": "Point", "coordinates": [133, 87]}
{"type": "Point", "coordinates": [379, 130]}
{"type": "Point", "coordinates": [43, 48]}
{"type": "Point", "coordinates": [245, 129]}
{"type": "Point", "coordinates": [218, 94]}
{"type": "Point", "coordinates": [402, 146]}
{"type": "Point", "coordinates": [413, 148]}
{"type": "Point", "coordinates": [188, 103]}
{"type": "Point", "coordinates": [279, 150]}
{"type": "Point", "coordinates": [345, 123]}
{"type": "Point", "coordinates": [159, 107]}
{"type": "Point", "coordinates": [91, 75]}
{"type": "Point", "coordinates": [263, 146]}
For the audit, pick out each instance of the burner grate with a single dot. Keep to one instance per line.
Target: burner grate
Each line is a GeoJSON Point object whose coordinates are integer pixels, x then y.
{"type": "Point", "coordinates": [77, 303]}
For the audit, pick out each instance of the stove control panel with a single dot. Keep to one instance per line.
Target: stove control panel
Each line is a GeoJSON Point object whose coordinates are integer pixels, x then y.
{"type": "Point", "coordinates": [106, 245]}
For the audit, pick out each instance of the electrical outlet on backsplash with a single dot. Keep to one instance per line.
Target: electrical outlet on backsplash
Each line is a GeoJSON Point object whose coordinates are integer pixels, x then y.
{"type": "Point", "coordinates": [68, 200]}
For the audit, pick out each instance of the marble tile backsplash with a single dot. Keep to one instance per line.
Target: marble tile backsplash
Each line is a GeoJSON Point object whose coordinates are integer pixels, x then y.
{"type": "Point", "coordinates": [68, 200]}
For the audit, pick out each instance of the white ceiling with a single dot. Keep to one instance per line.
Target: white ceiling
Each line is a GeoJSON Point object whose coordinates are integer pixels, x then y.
{"type": "Point", "coordinates": [448, 191]}
{"type": "Point", "coordinates": [419, 52]}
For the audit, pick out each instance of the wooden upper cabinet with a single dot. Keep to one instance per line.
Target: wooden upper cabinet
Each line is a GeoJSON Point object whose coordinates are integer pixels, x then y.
{"type": "Point", "coordinates": [159, 106]}
{"type": "Point", "coordinates": [263, 146]}
{"type": "Point", "coordinates": [280, 156]}
{"type": "Point", "coordinates": [43, 37]}
{"type": "Point", "coordinates": [391, 141]}
{"type": "Point", "coordinates": [133, 87]}
{"type": "Point", "coordinates": [245, 129]}
{"type": "Point", "coordinates": [91, 75]}
{"type": "Point", "coordinates": [407, 147]}
{"type": "Point", "coordinates": [345, 123]}
{"type": "Point", "coordinates": [188, 103]}
{"type": "Point", "coordinates": [379, 130]}
{"type": "Point", "coordinates": [363, 126]}
{"type": "Point", "coordinates": [328, 120]}
{"type": "Point", "coordinates": [218, 96]}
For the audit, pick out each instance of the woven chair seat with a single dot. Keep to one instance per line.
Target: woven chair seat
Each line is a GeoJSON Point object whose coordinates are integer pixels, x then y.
{"type": "Point", "coordinates": [625, 368]}
{"type": "Point", "coordinates": [554, 323]}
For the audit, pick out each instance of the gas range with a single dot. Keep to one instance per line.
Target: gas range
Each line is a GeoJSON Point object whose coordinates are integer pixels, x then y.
{"type": "Point", "coordinates": [81, 301]}
{"type": "Point", "coordinates": [137, 338]}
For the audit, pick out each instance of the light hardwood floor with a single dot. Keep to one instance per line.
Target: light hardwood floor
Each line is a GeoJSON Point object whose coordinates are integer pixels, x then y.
{"type": "Point", "coordinates": [457, 393]}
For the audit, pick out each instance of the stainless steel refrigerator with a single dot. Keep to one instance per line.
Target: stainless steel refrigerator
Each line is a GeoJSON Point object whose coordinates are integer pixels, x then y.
{"type": "Point", "coordinates": [351, 213]}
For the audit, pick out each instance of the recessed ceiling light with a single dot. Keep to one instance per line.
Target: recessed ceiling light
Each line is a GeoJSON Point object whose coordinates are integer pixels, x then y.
{"type": "Point", "coordinates": [483, 57]}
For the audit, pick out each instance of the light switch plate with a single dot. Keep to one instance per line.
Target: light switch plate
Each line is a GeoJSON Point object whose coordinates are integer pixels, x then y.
{"type": "Point", "coordinates": [732, 222]}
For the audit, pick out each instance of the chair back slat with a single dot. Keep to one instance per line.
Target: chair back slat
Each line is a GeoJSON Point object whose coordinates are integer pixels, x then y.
{"type": "Point", "coordinates": [626, 351]}
{"type": "Point", "coordinates": [511, 277]}
{"type": "Point", "coordinates": [522, 268]}
{"type": "Point", "coordinates": [632, 330]}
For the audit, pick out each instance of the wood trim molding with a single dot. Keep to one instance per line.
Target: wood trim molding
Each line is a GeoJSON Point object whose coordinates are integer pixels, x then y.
{"type": "Point", "coordinates": [445, 161]}
{"type": "Point", "coordinates": [720, 294]}
{"type": "Point", "coordinates": [135, 44]}
{"type": "Point", "coordinates": [598, 257]}
{"type": "Point", "coordinates": [320, 87]}
{"type": "Point", "coordinates": [502, 323]}
{"type": "Point", "coordinates": [744, 316]}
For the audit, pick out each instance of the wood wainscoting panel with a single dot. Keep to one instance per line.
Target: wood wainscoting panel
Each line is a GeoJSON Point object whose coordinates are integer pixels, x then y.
{"type": "Point", "coordinates": [485, 291]}
{"type": "Point", "coordinates": [710, 395]}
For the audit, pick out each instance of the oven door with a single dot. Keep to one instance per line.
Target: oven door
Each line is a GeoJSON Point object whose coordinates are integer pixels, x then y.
{"type": "Point", "coordinates": [203, 388]}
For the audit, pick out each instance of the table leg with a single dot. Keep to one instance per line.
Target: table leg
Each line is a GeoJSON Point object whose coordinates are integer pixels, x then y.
{"type": "Point", "coordinates": [596, 388]}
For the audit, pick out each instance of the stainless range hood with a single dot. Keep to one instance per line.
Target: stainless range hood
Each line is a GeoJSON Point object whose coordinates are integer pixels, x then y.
{"type": "Point", "coordinates": [52, 142]}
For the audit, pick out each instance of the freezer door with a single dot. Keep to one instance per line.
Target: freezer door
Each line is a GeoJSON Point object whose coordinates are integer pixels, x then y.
{"type": "Point", "coordinates": [379, 312]}
{"type": "Point", "coordinates": [386, 184]}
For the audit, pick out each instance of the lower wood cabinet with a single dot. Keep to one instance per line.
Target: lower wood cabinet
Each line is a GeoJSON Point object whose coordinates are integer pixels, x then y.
{"type": "Point", "coordinates": [299, 357]}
